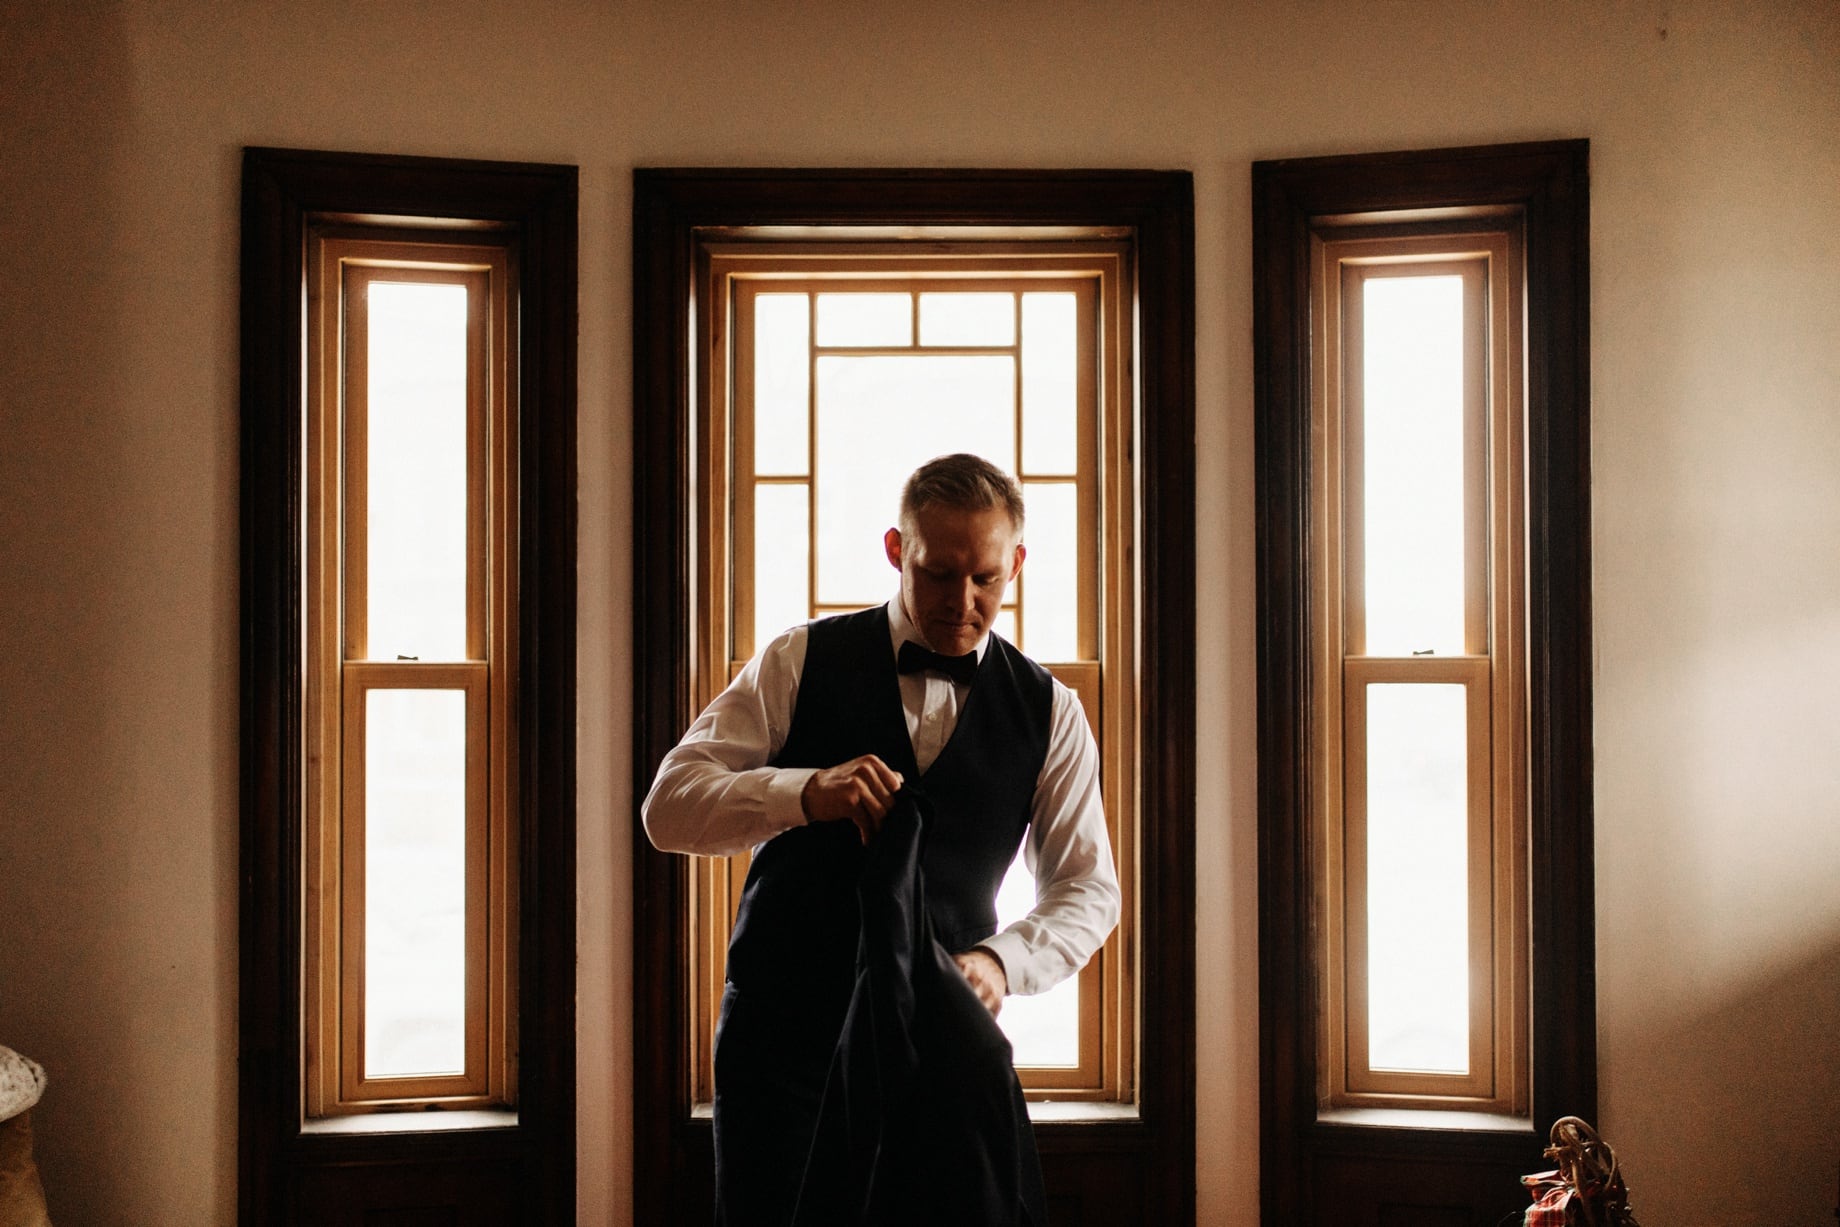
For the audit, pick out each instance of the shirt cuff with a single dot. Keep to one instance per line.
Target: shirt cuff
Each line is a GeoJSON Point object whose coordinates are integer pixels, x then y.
{"type": "Point", "coordinates": [1011, 951]}
{"type": "Point", "coordinates": [785, 788]}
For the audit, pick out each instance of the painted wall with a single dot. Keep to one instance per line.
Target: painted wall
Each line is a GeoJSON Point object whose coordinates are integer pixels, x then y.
{"type": "Point", "coordinates": [1715, 134]}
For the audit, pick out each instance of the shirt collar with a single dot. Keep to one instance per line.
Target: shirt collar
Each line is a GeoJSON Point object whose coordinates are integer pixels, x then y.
{"type": "Point", "coordinates": [901, 629]}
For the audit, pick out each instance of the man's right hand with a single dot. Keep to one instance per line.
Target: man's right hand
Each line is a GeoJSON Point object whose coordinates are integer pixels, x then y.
{"type": "Point", "coordinates": [860, 790]}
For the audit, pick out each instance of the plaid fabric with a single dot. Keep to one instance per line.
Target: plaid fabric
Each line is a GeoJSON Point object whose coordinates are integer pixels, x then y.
{"type": "Point", "coordinates": [1552, 1198]}
{"type": "Point", "coordinates": [1585, 1188]}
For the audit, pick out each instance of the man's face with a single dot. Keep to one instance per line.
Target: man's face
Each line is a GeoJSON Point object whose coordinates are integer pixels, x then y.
{"type": "Point", "coordinates": [955, 566]}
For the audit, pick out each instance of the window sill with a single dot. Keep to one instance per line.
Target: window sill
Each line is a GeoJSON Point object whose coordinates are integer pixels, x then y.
{"type": "Point", "coordinates": [1081, 1112]}
{"type": "Point", "coordinates": [421, 1121]}
{"type": "Point", "coordinates": [1058, 1112]}
{"type": "Point", "coordinates": [1416, 1118]}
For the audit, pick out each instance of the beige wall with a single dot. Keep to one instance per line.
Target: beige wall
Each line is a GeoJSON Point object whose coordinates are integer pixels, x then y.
{"type": "Point", "coordinates": [1715, 134]}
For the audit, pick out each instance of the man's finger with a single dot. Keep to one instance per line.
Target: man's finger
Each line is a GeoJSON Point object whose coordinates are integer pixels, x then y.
{"type": "Point", "coordinates": [877, 777]}
{"type": "Point", "coordinates": [887, 776]}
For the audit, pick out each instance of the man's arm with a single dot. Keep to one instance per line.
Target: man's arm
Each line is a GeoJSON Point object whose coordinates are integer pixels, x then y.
{"type": "Point", "coordinates": [714, 793]}
{"type": "Point", "coordinates": [1070, 853]}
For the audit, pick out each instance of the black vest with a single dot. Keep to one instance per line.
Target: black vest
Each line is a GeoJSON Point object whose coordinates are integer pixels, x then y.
{"type": "Point", "coordinates": [796, 930]}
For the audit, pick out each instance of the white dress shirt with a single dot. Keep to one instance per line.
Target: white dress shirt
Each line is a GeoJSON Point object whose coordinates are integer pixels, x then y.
{"type": "Point", "coordinates": [715, 795]}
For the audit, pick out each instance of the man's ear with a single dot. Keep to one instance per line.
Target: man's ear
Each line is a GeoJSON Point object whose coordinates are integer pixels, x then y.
{"type": "Point", "coordinates": [891, 544]}
{"type": "Point", "coordinates": [1022, 551]}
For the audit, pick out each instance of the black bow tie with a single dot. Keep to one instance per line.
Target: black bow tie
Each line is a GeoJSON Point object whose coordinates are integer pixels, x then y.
{"type": "Point", "coordinates": [913, 658]}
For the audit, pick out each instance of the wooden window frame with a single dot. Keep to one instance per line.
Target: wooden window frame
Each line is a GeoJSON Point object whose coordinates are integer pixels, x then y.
{"type": "Point", "coordinates": [1098, 274]}
{"type": "Point", "coordinates": [1490, 667]}
{"type": "Point", "coordinates": [1137, 1159]}
{"type": "Point", "coordinates": [340, 673]}
{"type": "Point", "coordinates": [511, 1156]}
{"type": "Point", "coordinates": [1329, 1162]}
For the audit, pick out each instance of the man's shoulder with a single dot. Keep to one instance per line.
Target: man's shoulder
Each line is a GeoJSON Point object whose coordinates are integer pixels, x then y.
{"type": "Point", "coordinates": [867, 616]}
{"type": "Point", "coordinates": [862, 622]}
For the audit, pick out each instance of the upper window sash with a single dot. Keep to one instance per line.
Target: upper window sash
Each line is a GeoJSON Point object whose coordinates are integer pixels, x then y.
{"type": "Point", "coordinates": [762, 417]}
{"type": "Point", "coordinates": [422, 492]}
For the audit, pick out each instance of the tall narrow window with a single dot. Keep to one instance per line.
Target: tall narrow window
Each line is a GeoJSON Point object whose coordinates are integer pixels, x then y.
{"type": "Point", "coordinates": [1425, 938]}
{"type": "Point", "coordinates": [410, 637]}
{"type": "Point", "coordinates": [1421, 761]}
{"type": "Point", "coordinates": [843, 374]}
{"type": "Point", "coordinates": [406, 1014]}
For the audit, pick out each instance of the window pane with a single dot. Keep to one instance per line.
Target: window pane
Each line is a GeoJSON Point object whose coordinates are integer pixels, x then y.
{"type": "Point", "coordinates": [967, 319]}
{"type": "Point", "coordinates": [782, 384]}
{"type": "Point", "coordinates": [1050, 384]}
{"type": "Point", "coordinates": [416, 496]}
{"type": "Point", "coordinates": [879, 419]}
{"type": "Point", "coordinates": [865, 319]}
{"type": "Point", "coordinates": [782, 559]}
{"type": "Point", "coordinates": [1044, 1029]}
{"type": "Point", "coordinates": [1417, 878]}
{"type": "Point", "coordinates": [414, 883]}
{"type": "Point", "coordinates": [1412, 433]}
{"type": "Point", "coordinates": [1051, 572]}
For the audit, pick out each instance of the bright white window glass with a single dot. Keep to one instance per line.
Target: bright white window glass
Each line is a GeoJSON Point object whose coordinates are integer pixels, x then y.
{"type": "Point", "coordinates": [1412, 433]}
{"type": "Point", "coordinates": [1004, 623]}
{"type": "Point", "coordinates": [865, 319]}
{"type": "Point", "coordinates": [1050, 574]}
{"type": "Point", "coordinates": [967, 319]}
{"type": "Point", "coordinates": [1043, 1029]}
{"type": "Point", "coordinates": [1050, 384]}
{"type": "Point", "coordinates": [414, 883]}
{"type": "Point", "coordinates": [782, 385]}
{"type": "Point", "coordinates": [1417, 878]}
{"type": "Point", "coordinates": [416, 495]}
{"type": "Point", "coordinates": [782, 559]}
{"type": "Point", "coordinates": [879, 419]}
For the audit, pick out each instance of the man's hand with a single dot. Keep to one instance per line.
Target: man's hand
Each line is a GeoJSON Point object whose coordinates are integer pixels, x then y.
{"type": "Point", "coordinates": [860, 790]}
{"type": "Point", "coordinates": [984, 973]}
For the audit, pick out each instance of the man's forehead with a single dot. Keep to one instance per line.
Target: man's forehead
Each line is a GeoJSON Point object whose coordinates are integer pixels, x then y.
{"type": "Point", "coordinates": [941, 520]}
{"type": "Point", "coordinates": [968, 541]}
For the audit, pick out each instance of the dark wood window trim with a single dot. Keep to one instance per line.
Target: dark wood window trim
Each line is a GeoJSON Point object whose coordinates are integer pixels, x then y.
{"type": "Point", "coordinates": [522, 1168]}
{"type": "Point", "coordinates": [1314, 1170]}
{"type": "Point", "coordinates": [1136, 1169]}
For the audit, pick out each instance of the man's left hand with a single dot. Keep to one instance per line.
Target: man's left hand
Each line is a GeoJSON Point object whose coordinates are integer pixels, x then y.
{"type": "Point", "coordinates": [986, 977]}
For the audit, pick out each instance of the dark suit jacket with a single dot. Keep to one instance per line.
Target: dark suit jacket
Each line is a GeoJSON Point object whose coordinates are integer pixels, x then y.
{"type": "Point", "coordinates": [923, 1120]}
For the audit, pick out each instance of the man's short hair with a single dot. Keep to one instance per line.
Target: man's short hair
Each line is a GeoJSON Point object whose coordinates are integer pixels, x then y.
{"type": "Point", "coordinates": [961, 481]}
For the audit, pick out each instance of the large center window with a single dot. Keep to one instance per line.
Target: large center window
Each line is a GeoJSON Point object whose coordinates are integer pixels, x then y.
{"type": "Point", "coordinates": [832, 376]}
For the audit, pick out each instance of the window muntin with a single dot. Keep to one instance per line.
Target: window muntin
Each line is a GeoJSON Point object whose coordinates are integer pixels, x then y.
{"type": "Point", "coordinates": [410, 982]}
{"type": "Point", "coordinates": [888, 361]}
{"type": "Point", "coordinates": [1421, 757]}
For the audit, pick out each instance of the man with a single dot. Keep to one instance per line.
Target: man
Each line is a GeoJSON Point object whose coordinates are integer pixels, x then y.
{"type": "Point", "coordinates": [801, 758]}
